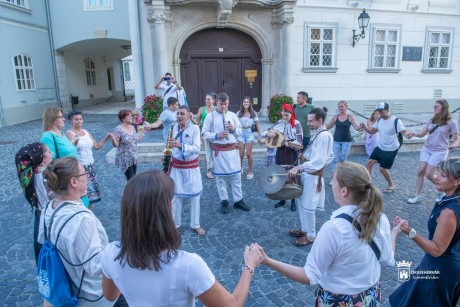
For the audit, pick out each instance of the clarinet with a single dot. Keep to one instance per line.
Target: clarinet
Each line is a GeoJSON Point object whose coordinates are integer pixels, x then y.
{"type": "Point", "coordinates": [167, 152]}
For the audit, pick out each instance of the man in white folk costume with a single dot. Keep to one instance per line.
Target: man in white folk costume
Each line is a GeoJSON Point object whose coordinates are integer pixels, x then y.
{"type": "Point", "coordinates": [185, 170]}
{"type": "Point", "coordinates": [317, 155]}
{"type": "Point", "coordinates": [222, 128]}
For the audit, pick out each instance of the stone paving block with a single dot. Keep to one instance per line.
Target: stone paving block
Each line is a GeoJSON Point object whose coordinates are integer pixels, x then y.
{"type": "Point", "coordinates": [226, 237]}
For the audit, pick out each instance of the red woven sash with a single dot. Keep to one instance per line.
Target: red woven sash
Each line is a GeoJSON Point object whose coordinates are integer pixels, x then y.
{"type": "Point", "coordinates": [176, 163]}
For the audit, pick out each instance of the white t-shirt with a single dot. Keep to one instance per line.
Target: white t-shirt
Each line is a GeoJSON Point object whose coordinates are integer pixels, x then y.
{"type": "Point", "coordinates": [342, 263]}
{"type": "Point", "coordinates": [388, 139]}
{"type": "Point", "coordinates": [171, 93]}
{"type": "Point", "coordinates": [177, 283]}
{"type": "Point", "coordinates": [168, 117]}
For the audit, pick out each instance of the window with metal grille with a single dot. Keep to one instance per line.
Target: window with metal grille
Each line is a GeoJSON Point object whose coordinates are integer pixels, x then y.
{"type": "Point", "coordinates": [439, 49]}
{"type": "Point", "coordinates": [320, 47]}
{"type": "Point", "coordinates": [90, 72]}
{"type": "Point", "coordinates": [385, 48]}
{"type": "Point", "coordinates": [21, 3]}
{"type": "Point", "coordinates": [24, 72]}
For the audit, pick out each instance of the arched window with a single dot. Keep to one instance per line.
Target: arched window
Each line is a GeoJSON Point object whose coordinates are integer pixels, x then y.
{"type": "Point", "coordinates": [24, 72]}
{"type": "Point", "coordinates": [90, 72]}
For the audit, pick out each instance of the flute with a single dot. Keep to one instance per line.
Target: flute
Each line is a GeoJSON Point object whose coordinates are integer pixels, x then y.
{"type": "Point", "coordinates": [223, 116]}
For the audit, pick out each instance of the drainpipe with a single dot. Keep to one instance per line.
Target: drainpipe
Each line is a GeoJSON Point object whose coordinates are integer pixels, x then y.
{"type": "Point", "coordinates": [139, 96]}
{"type": "Point", "coordinates": [53, 54]}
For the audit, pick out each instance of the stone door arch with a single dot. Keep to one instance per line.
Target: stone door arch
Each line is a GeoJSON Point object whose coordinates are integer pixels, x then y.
{"type": "Point", "coordinates": [216, 60]}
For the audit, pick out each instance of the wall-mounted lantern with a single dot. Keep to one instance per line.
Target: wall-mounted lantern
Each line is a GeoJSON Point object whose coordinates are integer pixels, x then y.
{"type": "Point", "coordinates": [363, 22]}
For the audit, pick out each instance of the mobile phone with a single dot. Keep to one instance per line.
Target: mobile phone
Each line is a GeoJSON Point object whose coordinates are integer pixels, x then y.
{"type": "Point", "coordinates": [167, 78]}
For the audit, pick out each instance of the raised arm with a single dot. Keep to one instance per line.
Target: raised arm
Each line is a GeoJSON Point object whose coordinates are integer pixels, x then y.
{"type": "Point", "coordinates": [332, 122]}
{"type": "Point", "coordinates": [218, 296]}
{"type": "Point", "coordinates": [445, 230]}
{"type": "Point", "coordinates": [354, 124]}
{"type": "Point", "coordinates": [159, 83]}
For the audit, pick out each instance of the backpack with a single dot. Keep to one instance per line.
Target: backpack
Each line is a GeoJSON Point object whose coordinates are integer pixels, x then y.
{"type": "Point", "coordinates": [54, 283]}
{"type": "Point", "coordinates": [399, 134]}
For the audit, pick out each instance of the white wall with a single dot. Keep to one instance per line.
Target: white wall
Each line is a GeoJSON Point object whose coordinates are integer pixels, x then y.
{"type": "Point", "coordinates": [352, 82]}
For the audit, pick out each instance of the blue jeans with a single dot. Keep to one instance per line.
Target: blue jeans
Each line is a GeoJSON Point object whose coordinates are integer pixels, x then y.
{"type": "Point", "coordinates": [341, 150]}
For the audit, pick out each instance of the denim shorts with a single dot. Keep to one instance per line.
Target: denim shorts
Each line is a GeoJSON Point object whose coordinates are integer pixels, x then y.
{"type": "Point", "coordinates": [247, 136]}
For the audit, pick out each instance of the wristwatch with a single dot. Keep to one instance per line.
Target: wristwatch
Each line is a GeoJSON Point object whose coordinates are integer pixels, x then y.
{"type": "Point", "coordinates": [412, 234]}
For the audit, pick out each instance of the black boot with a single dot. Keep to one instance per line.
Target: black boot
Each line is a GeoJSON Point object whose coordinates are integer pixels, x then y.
{"type": "Point", "coordinates": [280, 203]}
{"type": "Point", "coordinates": [241, 205]}
{"type": "Point", "coordinates": [293, 205]}
{"type": "Point", "coordinates": [224, 207]}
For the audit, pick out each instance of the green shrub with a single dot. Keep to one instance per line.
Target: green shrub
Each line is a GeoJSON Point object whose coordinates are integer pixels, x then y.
{"type": "Point", "coordinates": [274, 108]}
{"type": "Point", "coordinates": [152, 108]}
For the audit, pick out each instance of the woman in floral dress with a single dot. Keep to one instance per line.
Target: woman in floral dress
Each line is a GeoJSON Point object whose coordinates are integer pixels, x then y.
{"type": "Point", "coordinates": [125, 139]}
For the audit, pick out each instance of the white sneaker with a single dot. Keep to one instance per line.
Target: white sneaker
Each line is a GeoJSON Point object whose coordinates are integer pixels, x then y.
{"type": "Point", "coordinates": [440, 196]}
{"type": "Point", "coordinates": [414, 199]}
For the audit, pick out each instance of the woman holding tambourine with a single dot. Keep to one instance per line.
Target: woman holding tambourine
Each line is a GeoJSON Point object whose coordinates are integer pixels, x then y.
{"type": "Point", "coordinates": [288, 151]}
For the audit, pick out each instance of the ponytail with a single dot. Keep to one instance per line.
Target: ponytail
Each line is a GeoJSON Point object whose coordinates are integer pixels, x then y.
{"type": "Point", "coordinates": [368, 198]}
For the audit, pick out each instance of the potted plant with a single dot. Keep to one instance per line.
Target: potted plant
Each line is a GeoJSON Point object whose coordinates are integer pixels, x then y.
{"type": "Point", "coordinates": [152, 108]}
{"type": "Point", "coordinates": [274, 107]}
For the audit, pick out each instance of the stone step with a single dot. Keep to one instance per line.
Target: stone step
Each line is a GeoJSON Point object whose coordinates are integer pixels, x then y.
{"type": "Point", "coordinates": [152, 152]}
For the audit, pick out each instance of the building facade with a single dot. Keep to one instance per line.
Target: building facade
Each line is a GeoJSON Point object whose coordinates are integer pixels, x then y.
{"type": "Point", "coordinates": [56, 50]}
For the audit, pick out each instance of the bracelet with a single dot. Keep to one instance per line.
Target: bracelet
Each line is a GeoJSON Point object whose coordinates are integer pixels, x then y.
{"type": "Point", "coordinates": [247, 267]}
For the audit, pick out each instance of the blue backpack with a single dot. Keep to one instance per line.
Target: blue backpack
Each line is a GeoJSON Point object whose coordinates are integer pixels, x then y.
{"type": "Point", "coordinates": [54, 284]}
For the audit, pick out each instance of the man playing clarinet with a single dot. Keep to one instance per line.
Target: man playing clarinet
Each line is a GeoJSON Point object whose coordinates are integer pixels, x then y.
{"type": "Point", "coordinates": [185, 170]}
{"type": "Point", "coordinates": [222, 127]}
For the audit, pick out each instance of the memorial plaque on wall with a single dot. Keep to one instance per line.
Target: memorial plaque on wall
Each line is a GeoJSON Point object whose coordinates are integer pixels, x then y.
{"type": "Point", "coordinates": [412, 53]}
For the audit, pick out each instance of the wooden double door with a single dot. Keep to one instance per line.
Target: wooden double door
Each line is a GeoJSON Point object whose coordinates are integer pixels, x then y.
{"type": "Point", "coordinates": [221, 68]}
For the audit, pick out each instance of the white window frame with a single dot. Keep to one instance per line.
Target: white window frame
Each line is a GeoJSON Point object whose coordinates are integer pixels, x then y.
{"type": "Point", "coordinates": [98, 5]}
{"type": "Point", "coordinates": [23, 70]}
{"type": "Point", "coordinates": [428, 45]}
{"type": "Point", "coordinates": [90, 72]}
{"type": "Point", "coordinates": [307, 42]}
{"type": "Point", "coordinates": [372, 48]}
{"type": "Point", "coordinates": [21, 3]}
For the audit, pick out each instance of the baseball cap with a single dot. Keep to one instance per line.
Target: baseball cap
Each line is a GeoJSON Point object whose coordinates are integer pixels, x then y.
{"type": "Point", "coordinates": [383, 106]}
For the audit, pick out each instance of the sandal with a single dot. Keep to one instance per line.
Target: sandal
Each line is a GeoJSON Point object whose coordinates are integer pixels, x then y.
{"type": "Point", "coordinates": [200, 231]}
{"type": "Point", "coordinates": [296, 233]}
{"type": "Point", "coordinates": [389, 190]}
{"type": "Point", "coordinates": [250, 176]}
{"type": "Point", "coordinates": [209, 175]}
{"type": "Point", "coordinates": [302, 241]}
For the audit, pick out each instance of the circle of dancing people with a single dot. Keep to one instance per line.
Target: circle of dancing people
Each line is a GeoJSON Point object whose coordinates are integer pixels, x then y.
{"type": "Point", "coordinates": [358, 229]}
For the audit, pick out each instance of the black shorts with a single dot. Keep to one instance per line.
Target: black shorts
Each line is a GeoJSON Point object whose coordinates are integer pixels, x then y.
{"type": "Point", "coordinates": [384, 158]}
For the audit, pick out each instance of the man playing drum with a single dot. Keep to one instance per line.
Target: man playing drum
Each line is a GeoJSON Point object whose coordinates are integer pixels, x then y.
{"type": "Point", "coordinates": [292, 132]}
{"type": "Point", "coordinates": [185, 170]}
{"type": "Point", "coordinates": [318, 154]}
{"type": "Point", "coordinates": [222, 127]}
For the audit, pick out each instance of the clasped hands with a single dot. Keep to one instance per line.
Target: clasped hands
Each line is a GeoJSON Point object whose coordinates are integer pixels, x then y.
{"type": "Point", "coordinates": [254, 255]}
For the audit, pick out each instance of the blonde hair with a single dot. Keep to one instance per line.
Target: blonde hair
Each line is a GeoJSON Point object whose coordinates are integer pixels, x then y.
{"type": "Point", "coordinates": [344, 103]}
{"type": "Point", "coordinates": [368, 198]}
{"type": "Point", "coordinates": [49, 116]}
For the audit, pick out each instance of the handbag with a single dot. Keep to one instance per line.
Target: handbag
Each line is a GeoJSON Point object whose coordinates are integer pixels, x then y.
{"type": "Point", "coordinates": [254, 127]}
{"type": "Point", "coordinates": [55, 146]}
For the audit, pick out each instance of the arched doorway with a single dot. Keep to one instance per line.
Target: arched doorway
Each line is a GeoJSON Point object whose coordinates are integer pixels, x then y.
{"type": "Point", "coordinates": [218, 60]}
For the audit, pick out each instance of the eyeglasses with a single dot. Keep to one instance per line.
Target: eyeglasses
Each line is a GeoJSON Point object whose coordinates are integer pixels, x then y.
{"type": "Point", "coordinates": [60, 117]}
{"type": "Point", "coordinates": [84, 174]}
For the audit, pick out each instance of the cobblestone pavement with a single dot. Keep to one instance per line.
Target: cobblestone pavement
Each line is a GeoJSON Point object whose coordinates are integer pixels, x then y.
{"type": "Point", "coordinates": [226, 237]}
